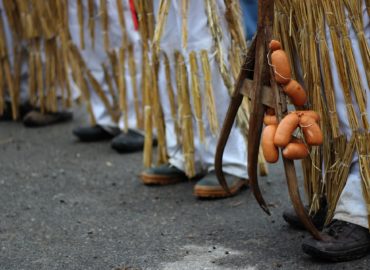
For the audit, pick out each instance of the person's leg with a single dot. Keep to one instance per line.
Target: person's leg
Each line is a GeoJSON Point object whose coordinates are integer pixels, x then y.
{"type": "Point", "coordinates": [131, 138]}
{"type": "Point", "coordinates": [170, 43]}
{"type": "Point", "coordinates": [94, 56]}
{"type": "Point", "coordinates": [348, 235]}
{"type": "Point", "coordinates": [235, 155]}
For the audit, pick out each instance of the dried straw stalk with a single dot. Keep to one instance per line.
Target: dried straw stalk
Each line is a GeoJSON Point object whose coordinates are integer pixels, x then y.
{"type": "Point", "coordinates": [105, 23]}
{"type": "Point", "coordinates": [186, 116]}
{"type": "Point", "coordinates": [122, 88]}
{"type": "Point", "coordinates": [91, 23]}
{"type": "Point", "coordinates": [132, 69]}
{"type": "Point", "coordinates": [184, 23]}
{"type": "Point", "coordinates": [164, 6]}
{"type": "Point", "coordinates": [80, 15]}
{"type": "Point", "coordinates": [122, 23]}
{"type": "Point", "coordinates": [158, 114]}
{"type": "Point", "coordinates": [197, 98]}
{"type": "Point", "coordinates": [148, 111]}
{"type": "Point", "coordinates": [209, 96]}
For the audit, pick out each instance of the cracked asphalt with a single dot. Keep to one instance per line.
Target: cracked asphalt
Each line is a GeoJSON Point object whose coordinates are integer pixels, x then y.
{"type": "Point", "coordinates": [70, 205]}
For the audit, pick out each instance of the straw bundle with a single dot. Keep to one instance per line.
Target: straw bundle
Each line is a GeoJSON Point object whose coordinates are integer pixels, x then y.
{"type": "Point", "coordinates": [209, 96]}
{"type": "Point", "coordinates": [305, 40]}
{"type": "Point", "coordinates": [132, 69]}
{"type": "Point", "coordinates": [112, 92]}
{"type": "Point", "coordinates": [122, 88]}
{"type": "Point", "coordinates": [158, 114]}
{"type": "Point", "coordinates": [164, 6]}
{"type": "Point", "coordinates": [364, 159]}
{"type": "Point", "coordinates": [184, 23]}
{"type": "Point", "coordinates": [185, 115]}
{"type": "Point", "coordinates": [217, 34]}
{"type": "Point", "coordinates": [105, 23]}
{"type": "Point", "coordinates": [122, 23]}
{"type": "Point", "coordinates": [80, 15]}
{"type": "Point", "coordinates": [195, 92]}
{"type": "Point", "coordinates": [148, 111]}
{"type": "Point", "coordinates": [341, 170]}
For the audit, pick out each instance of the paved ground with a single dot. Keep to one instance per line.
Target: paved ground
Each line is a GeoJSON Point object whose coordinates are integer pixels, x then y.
{"type": "Point", "coordinates": [68, 205]}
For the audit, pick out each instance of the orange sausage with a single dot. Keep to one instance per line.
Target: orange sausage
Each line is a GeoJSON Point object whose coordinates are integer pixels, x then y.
{"type": "Point", "coordinates": [312, 114]}
{"type": "Point", "coordinates": [296, 93]}
{"type": "Point", "coordinates": [311, 130]}
{"type": "Point", "coordinates": [270, 120]}
{"type": "Point", "coordinates": [285, 129]}
{"type": "Point", "coordinates": [270, 151]}
{"type": "Point", "coordinates": [295, 150]}
{"type": "Point", "coordinates": [280, 61]}
{"type": "Point", "coordinates": [275, 45]}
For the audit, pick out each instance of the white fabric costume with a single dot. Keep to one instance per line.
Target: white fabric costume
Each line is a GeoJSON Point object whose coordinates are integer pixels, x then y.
{"type": "Point", "coordinates": [95, 57]}
{"type": "Point", "coordinates": [351, 206]}
{"type": "Point", "coordinates": [25, 45]}
{"type": "Point", "coordinates": [199, 38]}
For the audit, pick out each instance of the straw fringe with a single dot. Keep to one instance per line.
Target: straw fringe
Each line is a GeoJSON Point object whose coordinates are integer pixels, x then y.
{"type": "Point", "coordinates": [300, 25]}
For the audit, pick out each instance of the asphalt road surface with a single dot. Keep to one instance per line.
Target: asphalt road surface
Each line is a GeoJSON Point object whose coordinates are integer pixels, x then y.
{"type": "Point", "coordinates": [70, 205]}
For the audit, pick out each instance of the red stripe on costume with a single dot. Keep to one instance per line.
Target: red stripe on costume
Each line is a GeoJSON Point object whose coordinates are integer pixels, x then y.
{"type": "Point", "coordinates": [133, 14]}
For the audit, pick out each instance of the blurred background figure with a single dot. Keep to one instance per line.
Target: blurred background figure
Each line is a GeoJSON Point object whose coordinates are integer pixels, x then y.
{"type": "Point", "coordinates": [106, 66]}
{"type": "Point", "coordinates": [33, 74]}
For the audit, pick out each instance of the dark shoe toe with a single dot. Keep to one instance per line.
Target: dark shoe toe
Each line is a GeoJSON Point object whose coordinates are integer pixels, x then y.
{"type": "Point", "coordinates": [129, 142]}
{"type": "Point", "coordinates": [35, 118]}
{"type": "Point", "coordinates": [92, 134]}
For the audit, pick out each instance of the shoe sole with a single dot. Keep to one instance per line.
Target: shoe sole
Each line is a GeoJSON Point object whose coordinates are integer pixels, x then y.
{"type": "Point", "coordinates": [343, 256]}
{"type": "Point", "coordinates": [149, 179]}
{"type": "Point", "coordinates": [206, 192]}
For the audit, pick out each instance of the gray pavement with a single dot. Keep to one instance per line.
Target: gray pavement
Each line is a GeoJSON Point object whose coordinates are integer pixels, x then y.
{"type": "Point", "coordinates": [69, 205]}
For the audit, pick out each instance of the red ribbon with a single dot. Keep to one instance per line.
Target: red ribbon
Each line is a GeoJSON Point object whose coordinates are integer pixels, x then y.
{"type": "Point", "coordinates": [133, 14]}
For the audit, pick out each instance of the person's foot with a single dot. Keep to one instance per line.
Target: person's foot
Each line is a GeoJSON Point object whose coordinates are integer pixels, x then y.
{"type": "Point", "coordinates": [344, 241]}
{"type": "Point", "coordinates": [37, 119]}
{"type": "Point", "coordinates": [209, 187]}
{"type": "Point", "coordinates": [163, 175]}
{"type": "Point", "coordinates": [293, 220]}
{"type": "Point", "coordinates": [94, 133]}
{"type": "Point", "coordinates": [129, 142]}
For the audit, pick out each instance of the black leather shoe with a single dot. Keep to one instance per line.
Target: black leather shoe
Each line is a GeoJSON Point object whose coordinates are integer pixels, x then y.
{"type": "Point", "coordinates": [293, 220]}
{"type": "Point", "coordinates": [129, 142]}
{"type": "Point", "coordinates": [344, 242]}
{"type": "Point", "coordinates": [94, 133]}
{"type": "Point", "coordinates": [37, 119]}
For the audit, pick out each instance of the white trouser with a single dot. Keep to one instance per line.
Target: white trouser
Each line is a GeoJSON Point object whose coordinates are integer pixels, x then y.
{"type": "Point", "coordinates": [199, 38]}
{"type": "Point", "coordinates": [351, 206]}
{"type": "Point", "coordinates": [95, 57]}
